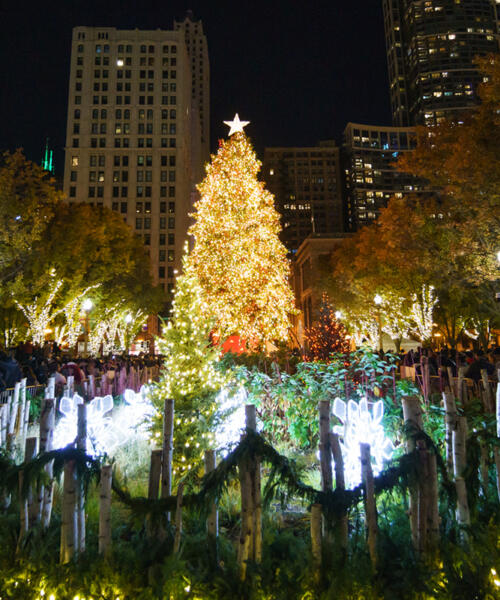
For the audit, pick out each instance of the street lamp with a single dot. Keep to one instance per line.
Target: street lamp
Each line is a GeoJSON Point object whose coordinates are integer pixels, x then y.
{"type": "Point", "coordinates": [378, 301]}
{"type": "Point", "coordinates": [87, 305]}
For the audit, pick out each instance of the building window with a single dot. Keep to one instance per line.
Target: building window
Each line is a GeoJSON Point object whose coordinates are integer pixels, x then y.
{"type": "Point", "coordinates": [72, 191]}
{"type": "Point", "coordinates": [76, 143]}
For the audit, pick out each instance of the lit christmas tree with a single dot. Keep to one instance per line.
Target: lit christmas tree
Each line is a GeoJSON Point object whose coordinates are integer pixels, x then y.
{"type": "Point", "coordinates": [189, 375]}
{"type": "Point", "coordinates": [239, 260]}
{"type": "Point", "coordinates": [328, 336]}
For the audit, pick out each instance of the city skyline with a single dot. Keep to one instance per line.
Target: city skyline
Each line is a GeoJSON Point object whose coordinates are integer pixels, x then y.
{"type": "Point", "coordinates": [297, 74]}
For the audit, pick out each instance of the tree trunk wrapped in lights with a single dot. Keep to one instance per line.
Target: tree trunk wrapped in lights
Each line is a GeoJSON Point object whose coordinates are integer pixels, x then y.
{"type": "Point", "coordinates": [238, 258]}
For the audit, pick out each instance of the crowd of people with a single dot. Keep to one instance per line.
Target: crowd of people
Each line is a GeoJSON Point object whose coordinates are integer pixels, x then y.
{"type": "Point", "coordinates": [38, 363]}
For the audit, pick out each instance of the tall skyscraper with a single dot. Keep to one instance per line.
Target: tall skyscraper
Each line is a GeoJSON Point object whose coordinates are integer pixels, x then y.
{"type": "Point", "coordinates": [431, 45]}
{"type": "Point", "coordinates": [134, 140]}
{"type": "Point", "coordinates": [307, 189]}
{"type": "Point", "coordinates": [369, 151]}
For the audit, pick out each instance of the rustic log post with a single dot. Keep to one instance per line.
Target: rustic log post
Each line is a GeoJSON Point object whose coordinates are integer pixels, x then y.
{"type": "Point", "coordinates": [433, 512]}
{"type": "Point", "coordinates": [22, 410]}
{"type": "Point", "coordinates": [168, 448]}
{"type": "Point", "coordinates": [426, 380]}
{"type": "Point", "coordinates": [412, 413]}
{"type": "Point", "coordinates": [105, 510]}
{"type": "Point", "coordinates": [488, 394]}
{"type": "Point", "coordinates": [27, 506]}
{"type": "Point", "coordinates": [178, 518]}
{"type": "Point", "coordinates": [451, 425]}
{"type": "Point", "coordinates": [50, 390]}
{"type": "Point", "coordinates": [370, 503]}
{"type": "Point", "coordinates": [3, 424]}
{"type": "Point", "coordinates": [250, 522]}
{"type": "Point", "coordinates": [69, 527]}
{"type": "Point", "coordinates": [31, 450]}
{"type": "Point", "coordinates": [26, 418]}
{"type": "Point", "coordinates": [459, 465]}
{"type": "Point", "coordinates": [451, 380]}
{"type": "Point", "coordinates": [316, 514]}
{"type": "Point", "coordinates": [154, 474]}
{"type": "Point", "coordinates": [255, 479]}
{"type": "Point", "coordinates": [340, 485]}
{"type": "Point", "coordinates": [81, 444]}
{"type": "Point", "coordinates": [325, 452]}
{"type": "Point", "coordinates": [213, 515]}
{"type": "Point", "coordinates": [47, 426]}
{"type": "Point", "coordinates": [14, 409]}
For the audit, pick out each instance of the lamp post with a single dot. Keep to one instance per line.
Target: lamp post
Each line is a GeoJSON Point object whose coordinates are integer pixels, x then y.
{"type": "Point", "coordinates": [378, 301]}
{"type": "Point", "coordinates": [87, 305]}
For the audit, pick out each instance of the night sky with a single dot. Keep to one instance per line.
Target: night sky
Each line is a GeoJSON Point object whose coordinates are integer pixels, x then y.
{"type": "Point", "coordinates": [299, 71]}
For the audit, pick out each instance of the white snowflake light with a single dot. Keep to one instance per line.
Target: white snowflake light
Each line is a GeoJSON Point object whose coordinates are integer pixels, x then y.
{"type": "Point", "coordinates": [359, 424]}
{"type": "Point", "coordinates": [232, 407]}
{"type": "Point", "coordinates": [100, 432]}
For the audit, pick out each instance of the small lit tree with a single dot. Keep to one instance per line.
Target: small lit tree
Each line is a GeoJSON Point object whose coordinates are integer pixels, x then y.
{"type": "Point", "coordinates": [189, 375]}
{"type": "Point", "coordinates": [327, 336]}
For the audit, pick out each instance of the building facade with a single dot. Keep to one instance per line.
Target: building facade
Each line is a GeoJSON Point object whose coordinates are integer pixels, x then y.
{"type": "Point", "coordinates": [134, 141]}
{"type": "Point", "coordinates": [306, 184]}
{"type": "Point", "coordinates": [431, 45]}
{"type": "Point", "coordinates": [370, 179]}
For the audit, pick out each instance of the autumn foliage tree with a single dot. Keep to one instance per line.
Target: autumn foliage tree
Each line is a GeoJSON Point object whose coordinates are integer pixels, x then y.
{"type": "Point", "coordinates": [447, 240]}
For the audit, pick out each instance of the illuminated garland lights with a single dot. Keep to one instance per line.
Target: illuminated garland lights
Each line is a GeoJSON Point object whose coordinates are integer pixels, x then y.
{"type": "Point", "coordinates": [422, 312]}
{"type": "Point", "coordinates": [239, 260]}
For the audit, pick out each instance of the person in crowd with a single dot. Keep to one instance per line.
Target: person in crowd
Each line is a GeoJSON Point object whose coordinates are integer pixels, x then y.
{"type": "Point", "coordinates": [10, 370]}
{"type": "Point", "coordinates": [479, 363]}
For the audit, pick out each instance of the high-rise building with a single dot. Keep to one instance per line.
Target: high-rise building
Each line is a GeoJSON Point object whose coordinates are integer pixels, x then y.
{"type": "Point", "coordinates": [196, 44]}
{"type": "Point", "coordinates": [307, 188]}
{"type": "Point", "coordinates": [431, 45]}
{"type": "Point", "coordinates": [370, 179]}
{"type": "Point", "coordinates": [134, 140]}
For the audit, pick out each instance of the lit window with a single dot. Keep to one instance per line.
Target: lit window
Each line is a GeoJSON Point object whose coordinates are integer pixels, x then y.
{"type": "Point", "coordinates": [74, 161]}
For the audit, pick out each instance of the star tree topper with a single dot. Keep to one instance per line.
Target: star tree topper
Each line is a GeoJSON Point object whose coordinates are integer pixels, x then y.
{"type": "Point", "coordinates": [236, 125]}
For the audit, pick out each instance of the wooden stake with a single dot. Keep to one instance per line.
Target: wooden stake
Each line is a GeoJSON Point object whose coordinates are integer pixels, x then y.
{"type": "Point", "coordinates": [168, 448]}
{"type": "Point", "coordinates": [370, 504]}
{"type": "Point", "coordinates": [69, 518]}
{"type": "Point", "coordinates": [422, 497]}
{"type": "Point", "coordinates": [433, 495]}
{"type": "Point", "coordinates": [340, 485]}
{"type": "Point", "coordinates": [154, 474]}
{"type": "Point", "coordinates": [81, 444]}
{"type": "Point", "coordinates": [27, 506]}
{"type": "Point", "coordinates": [47, 426]}
{"type": "Point", "coordinates": [14, 409]}
{"type": "Point", "coordinates": [178, 518]}
{"type": "Point", "coordinates": [488, 395]}
{"type": "Point", "coordinates": [105, 510]}
{"type": "Point", "coordinates": [459, 465]}
{"type": "Point", "coordinates": [451, 425]}
{"type": "Point", "coordinates": [412, 413]}
{"type": "Point", "coordinates": [316, 515]}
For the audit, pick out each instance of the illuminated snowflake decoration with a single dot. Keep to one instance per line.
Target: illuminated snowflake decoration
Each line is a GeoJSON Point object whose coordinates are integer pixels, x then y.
{"type": "Point", "coordinates": [232, 408]}
{"type": "Point", "coordinates": [359, 424]}
{"type": "Point", "coordinates": [100, 431]}
{"type": "Point", "coordinates": [106, 430]}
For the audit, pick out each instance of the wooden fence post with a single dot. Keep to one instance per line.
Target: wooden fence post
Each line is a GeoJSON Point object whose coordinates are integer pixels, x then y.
{"type": "Point", "coordinates": [47, 426]}
{"type": "Point", "coordinates": [459, 465]}
{"type": "Point", "coordinates": [340, 485]}
{"type": "Point", "coordinates": [81, 444]}
{"type": "Point", "coordinates": [451, 425]}
{"type": "Point", "coordinates": [105, 510]}
{"type": "Point", "coordinates": [412, 414]}
{"type": "Point", "coordinates": [325, 452]}
{"type": "Point", "coordinates": [26, 503]}
{"type": "Point", "coordinates": [168, 447]}
{"type": "Point", "coordinates": [316, 515]}
{"type": "Point", "coordinates": [69, 517]}
{"type": "Point", "coordinates": [370, 504]}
